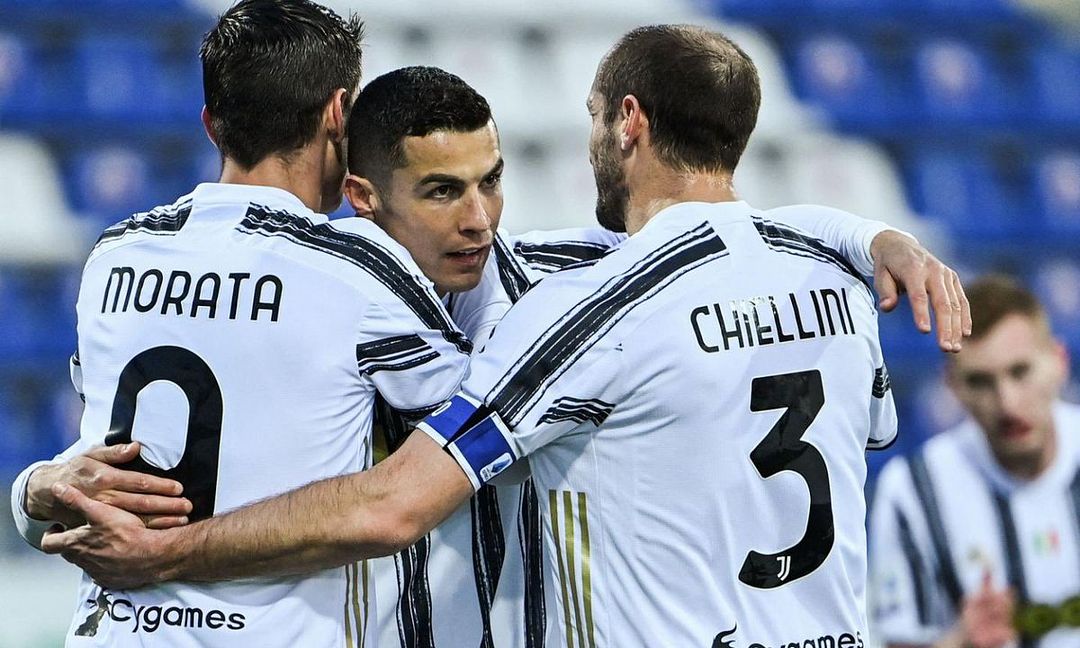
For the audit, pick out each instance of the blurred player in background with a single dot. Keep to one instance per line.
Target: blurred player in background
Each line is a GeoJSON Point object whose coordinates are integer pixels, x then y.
{"type": "Point", "coordinates": [335, 520]}
{"type": "Point", "coordinates": [974, 537]}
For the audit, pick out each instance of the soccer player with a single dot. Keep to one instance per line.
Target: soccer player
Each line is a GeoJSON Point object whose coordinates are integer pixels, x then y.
{"type": "Point", "coordinates": [196, 326]}
{"type": "Point", "coordinates": [426, 161]}
{"type": "Point", "coordinates": [657, 430]}
{"type": "Point", "coordinates": [974, 538]}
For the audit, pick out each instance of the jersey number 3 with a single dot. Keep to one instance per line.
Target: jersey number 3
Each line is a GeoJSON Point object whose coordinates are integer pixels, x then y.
{"type": "Point", "coordinates": [198, 467]}
{"type": "Point", "coordinates": [802, 395]}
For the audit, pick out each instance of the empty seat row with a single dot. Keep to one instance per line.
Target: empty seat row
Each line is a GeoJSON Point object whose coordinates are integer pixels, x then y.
{"type": "Point", "coordinates": [937, 84]}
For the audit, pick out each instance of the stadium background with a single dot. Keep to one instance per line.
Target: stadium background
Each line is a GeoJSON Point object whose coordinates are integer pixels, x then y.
{"type": "Point", "coordinates": [957, 120]}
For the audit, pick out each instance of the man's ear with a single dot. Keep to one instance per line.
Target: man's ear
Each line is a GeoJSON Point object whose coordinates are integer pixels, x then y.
{"type": "Point", "coordinates": [208, 126]}
{"type": "Point", "coordinates": [335, 116]}
{"type": "Point", "coordinates": [634, 122]}
{"type": "Point", "coordinates": [362, 196]}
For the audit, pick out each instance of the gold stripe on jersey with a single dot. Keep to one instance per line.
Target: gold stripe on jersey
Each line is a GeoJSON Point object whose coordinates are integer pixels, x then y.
{"type": "Point", "coordinates": [348, 594]}
{"type": "Point", "coordinates": [367, 605]}
{"type": "Point", "coordinates": [586, 579]}
{"type": "Point", "coordinates": [571, 568]}
{"type": "Point", "coordinates": [573, 543]}
{"type": "Point", "coordinates": [360, 625]}
{"type": "Point", "coordinates": [554, 502]}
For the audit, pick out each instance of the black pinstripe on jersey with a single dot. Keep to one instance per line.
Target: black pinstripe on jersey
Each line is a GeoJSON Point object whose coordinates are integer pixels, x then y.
{"type": "Point", "coordinates": [512, 276]}
{"type": "Point", "coordinates": [164, 220]}
{"type": "Point", "coordinates": [577, 410]}
{"type": "Point", "coordinates": [364, 253]}
{"type": "Point", "coordinates": [782, 238]}
{"type": "Point", "coordinates": [554, 256]}
{"type": "Point", "coordinates": [572, 335]}
{"type": "Point", "coordinates": [395, 353]}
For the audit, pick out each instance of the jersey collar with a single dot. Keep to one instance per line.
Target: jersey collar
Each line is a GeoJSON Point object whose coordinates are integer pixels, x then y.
{"type": "Point", "coordinates": [271, 197]}
{"type": "Point", "coordinates": [716, 212]}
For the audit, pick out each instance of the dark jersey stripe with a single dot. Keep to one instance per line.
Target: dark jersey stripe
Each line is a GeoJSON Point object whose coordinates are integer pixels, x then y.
{"type": "Point", "coordinates": [924, 489]}
{"type": "Point", "coordinates": [791, 240]}
{"type": "Point", "coordinates": [488, 553]}
{"type": "Point", "coordinates": [915, 565]}
{"type": "Point", "coordinates": [512, 276]}
{"type": "Point", "coordinates": [531, 528]}
{"type": "Point", "coordinates": [569, 338]}
{"type": "Point", "coordinates": [169, 219]}
{"type": "Point", "coordinates": [364, 253]}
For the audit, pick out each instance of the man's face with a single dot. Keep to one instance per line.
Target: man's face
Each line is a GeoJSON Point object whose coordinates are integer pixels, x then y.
{"type": "Point", "coordinates": [612, 195]}
{"type": "Point", "coordinates": [444, 205]}
{"type": "Point", "coordinates": [1008, 380]}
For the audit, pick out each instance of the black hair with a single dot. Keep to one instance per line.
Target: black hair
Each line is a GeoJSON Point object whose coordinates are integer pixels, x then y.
{"type": "Point", "coordinates": [269, 68]}
{"type": "Point", "coordinates": [408, 102]}
{"type": "Point", "coordinates": [699, 90]}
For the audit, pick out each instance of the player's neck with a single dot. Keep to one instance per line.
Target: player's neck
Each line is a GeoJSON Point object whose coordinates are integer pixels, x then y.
{"type": "Point", "coordinates": [663, 187]}
{"type": "Point", "coordinates": [299, 176]}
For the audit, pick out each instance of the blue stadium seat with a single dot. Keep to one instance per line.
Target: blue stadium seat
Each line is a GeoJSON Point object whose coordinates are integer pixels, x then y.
{"type": "Point", "coordinates": [1057, 283]}
{"type": "Point", "coordinates": [111, 183]}
{"type": "Point", "coordinates": [957, 84]}
{"type": "Point", "coordinates": [964, 192]}
{"type": "Point", "coordinates": [841, 76]}
{"type": "Point", "coordinates": [1056, 80]}
{"type": "Point", "coordinates": [119, 78]}
{"type": "Point", "coordinates": [17, 76]}
{"type": "Point", "coordinates": [1057, 190]}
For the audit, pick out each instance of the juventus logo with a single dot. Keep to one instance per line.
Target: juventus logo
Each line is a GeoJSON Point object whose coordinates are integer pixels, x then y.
{"type": "Point", "coordinates": [785, 567]}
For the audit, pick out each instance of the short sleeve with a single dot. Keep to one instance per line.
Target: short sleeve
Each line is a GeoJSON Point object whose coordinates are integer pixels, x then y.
{"type": "Point", "coordinates": [545, 374]}
{"type": "Point", "coordinates": [412, 353]}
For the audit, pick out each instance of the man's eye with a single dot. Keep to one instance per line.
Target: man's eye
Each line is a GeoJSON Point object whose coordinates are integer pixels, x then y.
{"type": "Point", "coordinates": [493, 180]}
{"type": "Point", "coordinates": [442, 191]}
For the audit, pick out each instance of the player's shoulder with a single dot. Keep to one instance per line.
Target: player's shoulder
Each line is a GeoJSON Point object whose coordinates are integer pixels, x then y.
{"type": "Point", "coordinates": [162, 220]}
{"type": "Point", "coordinates": [354, 250]}
{"type": "Point", "coordinates": [548, 251]}
{"type": "Point", "coordinates": [774, 230]}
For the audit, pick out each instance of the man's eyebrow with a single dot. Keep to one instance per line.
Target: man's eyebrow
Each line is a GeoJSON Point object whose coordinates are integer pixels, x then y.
{"type": "Point", "coordinates": [497, 168]}
{"type": "Point", "coordinates": [441, 178]}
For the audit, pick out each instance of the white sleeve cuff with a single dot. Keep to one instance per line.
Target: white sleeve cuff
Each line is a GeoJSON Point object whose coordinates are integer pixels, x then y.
{"type": "Point", "coordinates": [862, 259]}
{"type": "Point", "coordinates": [30, 529]}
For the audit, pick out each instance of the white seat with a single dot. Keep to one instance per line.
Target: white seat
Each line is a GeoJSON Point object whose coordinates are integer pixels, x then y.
{"type": "Point", "coordinates": [36, 225]}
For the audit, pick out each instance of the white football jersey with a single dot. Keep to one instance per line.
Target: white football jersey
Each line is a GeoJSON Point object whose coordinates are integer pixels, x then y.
{"type": "Point", "coordinates": [477, 579]}
{"type": "Point", "coordinates": [242, 339]}
{"type": "Point", "coordinates": [949, 513]}
{"type": "Point", "coordinates": [695, 407]}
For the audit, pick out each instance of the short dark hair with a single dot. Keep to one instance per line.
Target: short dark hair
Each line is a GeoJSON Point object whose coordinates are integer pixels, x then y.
{"type": "Point", "coordinates": [408, 102]}
{"type": "Point", "coordinates": [269, 67]}
{"type": "Point", "coordinates": [996, 296]}
{"type": "Point", "coordinates": [699, 90]}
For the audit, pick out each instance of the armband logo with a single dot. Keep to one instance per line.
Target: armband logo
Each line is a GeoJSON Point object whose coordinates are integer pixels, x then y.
{"type": "Point", "coordinates": [495, 467]}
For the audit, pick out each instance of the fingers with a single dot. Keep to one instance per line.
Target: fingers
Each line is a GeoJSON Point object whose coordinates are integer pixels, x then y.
{"type": "Point", "coordinates": [137, 482]}
{"type": "Point", "coordinates": [54, 542]}
{"type": "Point", "coordinates": [165, 521]}
{"type": "Point", "coordinates": [114, 454]}
{"type": "Point", "coordinates": [887, 290]}
{"type": "Point", "coordinates": [91, 511]}
{"type": "Point", "coordinates": [987, 583]}
{"type": "Point", "coordinates": [965, 306]}
{"type": "Point", "coordinates": [147, 505]}
{"type": "Point", "coordinates": [944, 312]}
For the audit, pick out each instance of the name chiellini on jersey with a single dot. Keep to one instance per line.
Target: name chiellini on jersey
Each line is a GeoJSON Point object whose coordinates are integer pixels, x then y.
{"type": "Point", "coordinates": [695, 407]}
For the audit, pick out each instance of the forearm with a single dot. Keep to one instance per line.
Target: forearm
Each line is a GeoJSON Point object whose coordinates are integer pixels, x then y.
{"type": "Point", "coordinates": [322, 525]}
{"type": "Point", "coordinates": [31, 519]}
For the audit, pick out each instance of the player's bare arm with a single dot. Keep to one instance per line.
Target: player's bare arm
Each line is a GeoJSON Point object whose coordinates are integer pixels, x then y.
{"type": "Point", "coordinates": [94, 473]}
{"type": "Point", "coordinates": [324, 524]}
